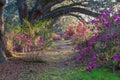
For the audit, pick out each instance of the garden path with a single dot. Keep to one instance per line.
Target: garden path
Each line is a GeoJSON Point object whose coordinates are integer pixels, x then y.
{"type": "Point", "coordinates": [60, 57]}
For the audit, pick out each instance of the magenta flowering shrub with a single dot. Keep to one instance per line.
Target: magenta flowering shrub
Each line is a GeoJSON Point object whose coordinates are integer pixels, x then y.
{"type": "Point", "coordinates": [69, 31]}
{"type": "Point", "coordinates": [76, 32]}
{"type": "Point", "coordinates": [103, 46]}
{"type": "Point", "coordinates": [24, 42]}
{"type": "Point", "coordinates": [116, 57]}
{"type": "Point", "coordinates": [29, 37]}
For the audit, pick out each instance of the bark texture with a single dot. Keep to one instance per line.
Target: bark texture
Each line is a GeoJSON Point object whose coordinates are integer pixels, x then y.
{"type": "Point", "coordinates": [23, 11]}
{"type": "Point", "coordinates": [2, 46]}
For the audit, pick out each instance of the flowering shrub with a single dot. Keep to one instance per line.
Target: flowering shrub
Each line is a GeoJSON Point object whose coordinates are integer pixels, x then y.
{"type": "Point", "coordinates": [116, 57]}
{"type": "Point", "coordinates": [69, 31]}
{"type": "Point", "coordinates": [31, 37]}
{"type": "Point", "coordinates": [78, 32]}
{"type": "Point", "coordinates": [23, 42]}
{"type": "Point", "coordinates": [101, 47]}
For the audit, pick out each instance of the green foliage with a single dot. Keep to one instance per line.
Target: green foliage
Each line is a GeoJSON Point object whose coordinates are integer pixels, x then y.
{"type": "Point", "coordinates": [74, 74]}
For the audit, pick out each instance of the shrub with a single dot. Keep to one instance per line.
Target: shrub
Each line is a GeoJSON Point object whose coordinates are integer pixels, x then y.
{"type": "Point", "coordinates": [29, 37]}
{"type": "Point", "coordinates": [103, 46]}
{"type": "Point", "coordinates": [77, 32]}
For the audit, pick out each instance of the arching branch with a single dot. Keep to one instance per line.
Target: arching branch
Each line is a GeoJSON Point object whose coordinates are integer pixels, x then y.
{"type": "Point", "coordinates": [49, 5]}
{"type": "Point", "coordinates": [75, 15]}
{"type": "Point", "coordinates": [62, 11]}
{"type": "Point", "coordinates": [40, 7]}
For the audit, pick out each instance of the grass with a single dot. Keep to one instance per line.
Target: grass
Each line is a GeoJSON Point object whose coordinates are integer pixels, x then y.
{"type": "Point", "coordinates": [74, 74]}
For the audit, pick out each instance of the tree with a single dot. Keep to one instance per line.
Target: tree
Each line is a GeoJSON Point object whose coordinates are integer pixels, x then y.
{"type": "Point", "coordinates": [23, 11]}
{"type": "Point", "coordinates": [42, 9]}
{"type": "Point", "coordinates": [2, 46]}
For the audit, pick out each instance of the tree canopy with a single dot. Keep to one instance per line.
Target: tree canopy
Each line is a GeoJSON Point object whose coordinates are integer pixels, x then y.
{"type": "Point", "coordinates": [43, 9]}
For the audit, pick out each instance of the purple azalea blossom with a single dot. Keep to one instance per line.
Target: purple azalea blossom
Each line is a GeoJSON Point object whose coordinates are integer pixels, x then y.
{"type": "Point", "coordinates": [88, 69]}
{"type": "Point", "coordinates": [84, 50]}
{"type": "Point", "coordinates": [106, 12]}
{"type": "Point", "coordinates": [107, 36]}
{"type": "Point", "coordinates": [16, 48]}
{"type": "Point", "coordinates": [92, 64]}
{"type": "Point", "coordinates": [107, 25]}
{"type": "Point", "coordinates": [103, 20]}
{"type": "Point", "coordinates": [116, 19]}
{"type": "Point", "coordinates": [118, 12]}
{"type": "Point", "coordinates": [94, 55]}
{"type": "Point", "coordinates": [94, 20]}
{"type": "Point", "coordinates": [90, 43]}
{"type": "Point", "coordinates": [116, 57]}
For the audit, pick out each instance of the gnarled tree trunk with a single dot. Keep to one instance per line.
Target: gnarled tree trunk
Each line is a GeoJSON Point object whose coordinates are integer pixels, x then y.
{"type": "Point", "coordinates": [2, 46]}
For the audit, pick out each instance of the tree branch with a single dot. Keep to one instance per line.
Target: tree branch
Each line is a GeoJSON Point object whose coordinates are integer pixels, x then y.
{"type": "Point", "coordinates": [36, 11]}
{"type": "Point", "coordinates": [49, 5]}
{"type": "Point", "coordinates": [62, 11]}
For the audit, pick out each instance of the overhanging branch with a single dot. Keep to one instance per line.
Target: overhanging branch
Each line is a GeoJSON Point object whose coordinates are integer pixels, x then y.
{"type": "Point", "coordinates": [63, 11]}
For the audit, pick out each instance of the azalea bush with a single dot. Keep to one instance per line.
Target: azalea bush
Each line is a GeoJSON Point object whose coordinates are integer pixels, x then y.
{"type": "Point", "coordinates": [23, 42]}
{"type": "Point", "coordinates": [77, 33]}
{"type": "Point", "coordinates": [106, 40]}
{"type": "Point", "coordinates": [102, 46]}
{"type": "Point", "coordinates": [31, 37]}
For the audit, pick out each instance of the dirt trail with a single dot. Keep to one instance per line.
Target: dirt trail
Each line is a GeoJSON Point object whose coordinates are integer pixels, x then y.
{"type": "Point", "coordinates": [62, 51]}
{"type": "Point", "coordinates": [61, 57]}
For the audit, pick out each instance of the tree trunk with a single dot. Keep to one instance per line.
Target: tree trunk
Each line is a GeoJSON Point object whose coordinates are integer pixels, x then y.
{"type": "Point", "coordinates": [35, 13]}
{"type": "Point", "coordinates": [2, 46]}
{"type": "Point", "coordinates": [23, 11]}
